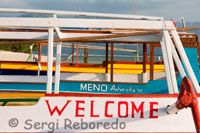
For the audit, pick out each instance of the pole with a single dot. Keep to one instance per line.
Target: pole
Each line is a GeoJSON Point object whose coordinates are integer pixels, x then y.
{"type": "Point", "coordinates": [76, 54]}
{"type": "Point", "coordinates": [106, 65]}
{"type": "Point", "coordinates": [151, 62]}
{"type": "Point", "coordinates": [144, 57]}
{"type": "Point", "coordinates": [185, 60]}
{"type": "Point", "coordinates": [49, 61]}
{"type": "Point", "coordinates": [72, 53]}
{"type": "Point", "coordinates": [39, 58]}
{"type": "Point", "coordinates": [58, 61]}
{"type": "Point", "coordinates": [111, 67]}
{"type": "Point", "coordinates": [86, 54]}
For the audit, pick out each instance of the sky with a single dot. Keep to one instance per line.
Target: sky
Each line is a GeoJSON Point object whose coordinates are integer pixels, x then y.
{"type": "Point", "coordinates": [175, 9]}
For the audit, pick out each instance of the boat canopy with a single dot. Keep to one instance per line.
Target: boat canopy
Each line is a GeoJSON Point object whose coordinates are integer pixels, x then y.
{"type": "Point", "coordinates": [118, 28]}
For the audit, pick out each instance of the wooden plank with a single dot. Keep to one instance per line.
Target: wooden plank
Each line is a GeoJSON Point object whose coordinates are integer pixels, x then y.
{"type": "Point", "coordinates": [85, 38]}
{"type": "Point", "coordinates": [144, 57]}
{"type": "Point", "coordinates": [101, 48]}
{"type": "Point", "coordinates": [106, 64]}
{"type": "Point", "coordinates": [188, 40]}
{"type": "Point", "coordinates": [84, 23]}
{"type": "Point", "coordinates": [151, 62]}
{"type": "Point", "coordinates": [111, 59]}
{"type": "Point", "coordinates": [39, 53]}
{"type": "Point", "coordinates": [198, 50]}
{"type": "Point", "coordinates": [187, 28]}
{"type": "Point", "coordinates": [25, 29]}
{"type": "Point", "coordinates": [76, 54]}
{"type": "Point", "coordinates": [50, 61]}
{"type": "Point", "coordinates": [86, 54]}
{"type": "Point", "coordinates": [72, 53]}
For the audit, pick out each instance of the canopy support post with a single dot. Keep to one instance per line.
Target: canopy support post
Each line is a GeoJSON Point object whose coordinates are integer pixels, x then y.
{"type": "Point", "coordinates": [57, 73]}
{"type": "Point", "coordinates": [151, 62]}
{"type": "Point", "coordinates": [49, 61]}
{"type": "Point", "coordinates": [77, 55]}
{"type": "Point", "coordinates": [111, 63]}
{"type": "Point", "coordinates": [170, 60]}
{"type": "Point", "coordinates": [39, 58]}
{"type": "Point", "coordinates": [144, 57]}
{"type": "Point", "coordinates": [72, 54]}
{"type": "Point", "coordinates": [166, 63]}
{"type": "Point", "coordinates": [106, 63]}
{"type": "Point", "coordinates": [177, 61]}
{"type": "Point", "coordinates": [185, 60]}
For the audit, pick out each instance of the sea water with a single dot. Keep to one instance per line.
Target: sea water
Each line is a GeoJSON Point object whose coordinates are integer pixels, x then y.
{"type": "Point", "coordinates": [98, 56]}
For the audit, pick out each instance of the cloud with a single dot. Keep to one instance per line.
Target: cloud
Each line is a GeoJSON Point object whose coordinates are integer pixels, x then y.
{"type": "Point", "coordinates": [169, 9]}
{"type": "Point", "coordinates": [14, 4]}
{"type": "Point", "coordinates": [110, 6]}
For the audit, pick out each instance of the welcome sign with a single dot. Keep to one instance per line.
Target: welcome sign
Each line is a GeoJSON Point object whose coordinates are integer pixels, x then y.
{"type": "Point", "coordinates": [92, 114]}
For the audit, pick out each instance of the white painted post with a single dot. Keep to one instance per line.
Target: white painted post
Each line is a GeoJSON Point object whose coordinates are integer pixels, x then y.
{"type": "Point", "coordinates": [49, 61]}
{"type": "Point", "coordinates": [177, 61]}
{"type": "Point", "coordinates": [57, 73]}
{"type": "Point", "coordinates": [170, 60]}
{"type": "Point", "coordinates": [166, 63]}
{"type": "Point", "coordinates": [185, 60]}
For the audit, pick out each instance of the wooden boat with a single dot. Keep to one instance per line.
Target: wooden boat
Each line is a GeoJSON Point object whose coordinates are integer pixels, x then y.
{"type": "Point", "coordinates": [101, 102]}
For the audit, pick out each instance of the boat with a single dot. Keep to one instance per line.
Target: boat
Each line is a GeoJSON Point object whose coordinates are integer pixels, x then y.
{"type": "Point", "coordinates": [109, 101]}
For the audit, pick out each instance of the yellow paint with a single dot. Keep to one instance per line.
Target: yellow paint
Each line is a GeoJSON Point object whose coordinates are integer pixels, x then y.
{"type": "Point", "coordinates": [22, 95]}
{"type": "Point", "coordinates": [118, 68]}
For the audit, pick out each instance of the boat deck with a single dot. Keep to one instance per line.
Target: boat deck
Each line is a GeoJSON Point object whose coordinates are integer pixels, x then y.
{"type": "Point", "coordinates": [118, 67]}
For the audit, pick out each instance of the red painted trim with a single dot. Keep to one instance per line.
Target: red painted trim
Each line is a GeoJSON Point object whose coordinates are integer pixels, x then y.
{"type": "Point", "coordinates": [112, 132]}
{"type": "Point", "coordinates": [113, 95]}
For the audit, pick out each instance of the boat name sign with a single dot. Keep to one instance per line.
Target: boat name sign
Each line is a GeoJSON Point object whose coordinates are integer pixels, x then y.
{"type": "Point", "coordinates": [94, 114]}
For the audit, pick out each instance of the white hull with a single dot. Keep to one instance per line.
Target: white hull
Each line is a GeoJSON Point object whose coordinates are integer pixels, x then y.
{"type": "Point", "coordinates": [100, 114]}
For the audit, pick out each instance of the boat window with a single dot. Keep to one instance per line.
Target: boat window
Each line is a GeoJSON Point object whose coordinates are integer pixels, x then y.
{"type": "Point", "coordinates": [112, 62]}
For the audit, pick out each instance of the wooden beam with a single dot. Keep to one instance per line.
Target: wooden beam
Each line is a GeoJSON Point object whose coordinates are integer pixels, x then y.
{"type": "Point", "coordinates": [187, 28]}
{"type": "Point", "coordinates": [72, 53]}
{"type": "Point", "coordinates": [86, 54]}
{"type": "Point", "coordinates": [81, 39]}
{"type": "Point", "coordinates": [25, 29]}
{"type": "Point", "coordinates": [106, 63]}
{"type": "Point", "coordinates": [151, 62]}
{"type": "Point", "coordinates": [39, 53]}
{"type": "Point", "coordinates": [111, 60]}
{"type": "Point", "coordinates": [76, 54]}
{"type": "Point", "coordinates": [84, 23]}
{"type": "Point", "coordinates": [101, 48]}
{"type": "Point", "coordinates": [144, 57]}
{"type": "Point", "coordinates": [198, 49]}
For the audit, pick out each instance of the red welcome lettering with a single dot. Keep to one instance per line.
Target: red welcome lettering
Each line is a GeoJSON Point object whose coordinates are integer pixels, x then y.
{"type": "Point", "coordinates": [106, 109]}
{"type": "Point", "coordinates": [152, 109]}
{"type": "Point", "coordinates": [140, 108]}
{"type": "Point", "coordinates": [119, 109]}
{"type": "Point", "coordinates": [92, 110]}
{"type": "Point", "coordinates": [78, 108]}
{"type": "Point", "coordinates": [56, 108]}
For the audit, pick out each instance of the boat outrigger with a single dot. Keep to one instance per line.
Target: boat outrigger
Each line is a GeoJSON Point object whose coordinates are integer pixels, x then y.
{"type": "Point", "coordinates": [110, 97]}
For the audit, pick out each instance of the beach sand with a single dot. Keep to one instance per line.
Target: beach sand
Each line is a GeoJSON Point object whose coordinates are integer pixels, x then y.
{"type": "Point", "coordinates": [17, 56]}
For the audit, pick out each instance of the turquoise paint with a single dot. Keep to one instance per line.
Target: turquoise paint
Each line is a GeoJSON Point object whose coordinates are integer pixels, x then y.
{"type": "Point", "coordinates": [152, 87]}
{"type": "Point", "coordinates": [193, 59]}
